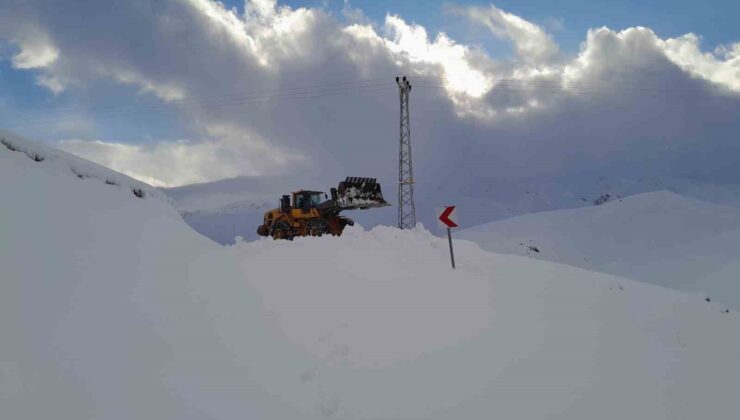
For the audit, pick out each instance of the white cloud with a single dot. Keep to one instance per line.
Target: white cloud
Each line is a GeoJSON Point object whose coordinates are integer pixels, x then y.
{"type": "Point", "coordinates": [722, 67]}
{"type": "Point", "coordinates": [35, 48]}
{"type": "Point", "coordinates": [166, 164]}
{"type": "Point", "coordinates": [267, 33]}
{"type": "Point", "coordinates": [50, 82]}
{"type": "Point", "coordinates": [614, 57]}
{"type": "Point", "coordinates": [261, 8]}
{"type": "Point", "coordinates": [530, 41]}
{"type": "Point", "coordinates": [412, 41]}
{"type": "Point", "coordinates": [639, 51]}
{"type": "Point", "coordinates": [34, 54]}
{"type": "Point", "coordinates": [166, 91]}
{"type": "Point", "coordinates": [354, 15]}
{"type": "Point", "coordinates": [228, 22]}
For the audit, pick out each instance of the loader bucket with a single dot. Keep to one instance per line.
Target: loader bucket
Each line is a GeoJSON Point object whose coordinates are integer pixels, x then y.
{"type": "Point", "coordinates": [359, 193]}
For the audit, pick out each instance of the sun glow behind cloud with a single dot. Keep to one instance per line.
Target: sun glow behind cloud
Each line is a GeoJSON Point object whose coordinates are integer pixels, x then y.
{"type": "Point", "coordinates": [205, 54]}
{"type": "Point", "coordinates": [458, 73]}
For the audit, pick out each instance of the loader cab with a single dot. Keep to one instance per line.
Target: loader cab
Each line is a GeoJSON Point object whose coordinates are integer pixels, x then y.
{"type": "Point", "coordinates": [306, 200]}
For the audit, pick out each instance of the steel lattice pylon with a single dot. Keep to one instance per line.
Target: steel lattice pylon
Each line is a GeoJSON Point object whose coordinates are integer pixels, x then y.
{"type": "Point", "coordinates": [406, 210]}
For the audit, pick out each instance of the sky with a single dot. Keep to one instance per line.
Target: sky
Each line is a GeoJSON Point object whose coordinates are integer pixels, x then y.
{"type": "Point", "coordinates": [178, 92]}
{"type": "Point", "coordinates": [568, 20]}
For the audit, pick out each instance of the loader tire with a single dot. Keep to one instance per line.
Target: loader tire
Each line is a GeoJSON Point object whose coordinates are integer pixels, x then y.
{"type": "Point", "coordinates": [317, 227]}
{"type": "Point", "coordinates": [282, 230]}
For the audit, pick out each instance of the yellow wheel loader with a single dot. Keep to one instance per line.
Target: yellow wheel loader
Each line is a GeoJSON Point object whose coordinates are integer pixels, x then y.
{"type": "Point", "coordinates": [313, 213]}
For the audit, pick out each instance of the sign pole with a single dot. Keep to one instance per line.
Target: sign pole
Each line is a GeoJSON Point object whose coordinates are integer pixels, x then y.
{"type": "Point", "coordinates": [452, 254]}
{"type": "Point", "coordinates": [448, 218]}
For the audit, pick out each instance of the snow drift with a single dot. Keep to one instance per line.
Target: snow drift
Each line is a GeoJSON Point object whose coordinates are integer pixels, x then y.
{"type": "Point", "coordinates": [660, 237]}
{"type": "Point", "coordinates": [113, 308]}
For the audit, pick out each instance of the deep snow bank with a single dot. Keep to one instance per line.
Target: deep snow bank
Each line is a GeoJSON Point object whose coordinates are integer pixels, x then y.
{"type": "Point", "coordinates": [661, 238]}
{"type": "Point", "coordinates": [397, 333]}
{"type": "Point", "coordinates": [111, 307]}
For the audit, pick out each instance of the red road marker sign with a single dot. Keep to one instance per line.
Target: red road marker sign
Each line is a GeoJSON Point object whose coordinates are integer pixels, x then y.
{"type": "Point", "coordinates": [448, 217]}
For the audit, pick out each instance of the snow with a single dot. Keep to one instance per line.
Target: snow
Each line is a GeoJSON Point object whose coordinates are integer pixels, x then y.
{"type": "Point", "coordinates": [112, 307]}
{"type": "Point", "coordinates": [228, 208]}
{"type": "Point", "coordinates": [213, 196]}
{"type": "Point", "coordinates": [659, 237]}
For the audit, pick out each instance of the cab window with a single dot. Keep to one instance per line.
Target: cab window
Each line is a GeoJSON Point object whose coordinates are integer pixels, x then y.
{"type": "Point", "coordinates": [315, 199]}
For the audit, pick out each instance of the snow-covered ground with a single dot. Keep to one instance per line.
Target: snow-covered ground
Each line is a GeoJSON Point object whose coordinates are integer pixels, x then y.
{"type": "Point", "coordinates": [114, 308]}
{"type": "Point", "coordinates": [659, 237]}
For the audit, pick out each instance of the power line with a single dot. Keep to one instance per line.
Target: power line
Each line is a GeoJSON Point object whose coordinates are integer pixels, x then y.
{"type": "Point", "coordinates": [296, 93]}
{"type": "Point", "coordinates": [211, 103]}
{"type": "Point", "coordinates": [285, 90]}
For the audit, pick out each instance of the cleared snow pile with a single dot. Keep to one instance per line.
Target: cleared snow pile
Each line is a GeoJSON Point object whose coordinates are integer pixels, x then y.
{"type": "Point", "coordinates": [660, 237]}
{"type": "Point", "coordinates": [113, 308]}
{"type": "Point", "coordinates": [396, 333]}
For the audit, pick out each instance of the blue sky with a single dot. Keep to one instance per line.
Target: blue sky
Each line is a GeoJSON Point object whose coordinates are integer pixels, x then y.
{"type": "Point", "coordinates": [152, 55]}
{"type": "Point", "coordinates": [715, 21]}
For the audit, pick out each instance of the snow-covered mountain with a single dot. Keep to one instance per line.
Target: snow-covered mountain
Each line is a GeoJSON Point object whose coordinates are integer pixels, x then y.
{"type": "Point", "coordinates": [114, 308]}
{"type": "Point", "coordinates": [659, 237]}
{"type": "Point", "coordinates": [224, 209]}
{"type": "Point", "coordinates": [228, 208]}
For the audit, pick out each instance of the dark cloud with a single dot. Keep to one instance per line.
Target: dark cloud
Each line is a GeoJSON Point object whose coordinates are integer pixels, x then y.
{"type": "Point", "coordinates": [273, 90]}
